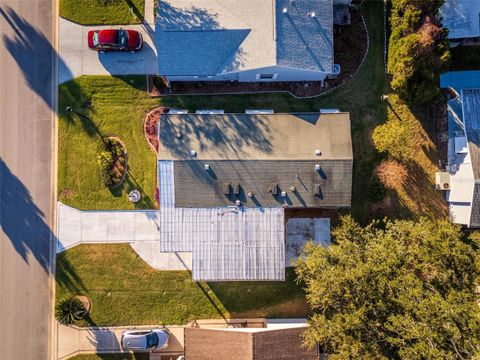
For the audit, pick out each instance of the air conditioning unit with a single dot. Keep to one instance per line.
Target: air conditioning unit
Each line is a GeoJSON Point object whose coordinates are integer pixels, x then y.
{"type": "Point", "coordinates": [442, 180]}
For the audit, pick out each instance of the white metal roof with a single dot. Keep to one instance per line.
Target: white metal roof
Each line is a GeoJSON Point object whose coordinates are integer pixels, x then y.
{"type": "Point", "coordinates": [228, 243]}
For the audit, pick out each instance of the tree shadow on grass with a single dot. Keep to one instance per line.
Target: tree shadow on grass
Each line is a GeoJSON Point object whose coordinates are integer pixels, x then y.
{"type": "Point", "coordinates": [67, 277]}
{"type": "Point", "coordinates": [263, 298]}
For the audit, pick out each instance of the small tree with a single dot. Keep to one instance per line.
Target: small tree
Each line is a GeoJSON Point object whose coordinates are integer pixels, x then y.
{"type": "Point", "coordinates": [68, 310]}
{"type": "Point", "coordinates": [391, 174]}
{"type": "Point", "coordinates": [394, 290]}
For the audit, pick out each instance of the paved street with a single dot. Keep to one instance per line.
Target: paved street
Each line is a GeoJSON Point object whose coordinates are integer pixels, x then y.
{"type": "Point", "coordinates": [26, 98]}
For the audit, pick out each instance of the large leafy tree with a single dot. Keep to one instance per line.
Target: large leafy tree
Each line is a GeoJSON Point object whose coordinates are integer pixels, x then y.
{"type": "Point", "coordinates": [394, 290]}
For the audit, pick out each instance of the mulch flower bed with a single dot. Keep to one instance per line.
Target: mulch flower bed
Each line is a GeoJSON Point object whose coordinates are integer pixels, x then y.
{"type": "Point", "coordinates": [350, 47]}
{"type": "Point", "coordinates": [150, 125]}
{"type": "Point", "coordinates": [113, 162]}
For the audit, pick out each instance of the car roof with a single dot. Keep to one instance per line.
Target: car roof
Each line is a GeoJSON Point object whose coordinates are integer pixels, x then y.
{"type": "Point", "coordinates": [137, 341]}
{"type": "Point", "coordinates": [108, 36]}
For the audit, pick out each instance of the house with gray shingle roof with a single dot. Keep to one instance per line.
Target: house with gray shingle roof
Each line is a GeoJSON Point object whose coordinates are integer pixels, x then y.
{"type": "Point", "coordinates": [461, 180]}
{"type": "Point", "coordinates": [461, 18]}
{"type": "Point", "coordinates": [225, 181]}
{"type": "Point", "coordinates": [246, 40]}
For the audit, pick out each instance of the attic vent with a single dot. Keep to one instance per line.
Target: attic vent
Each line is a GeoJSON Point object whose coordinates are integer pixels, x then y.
{"type": "Point", "coordinates": [227, 188]}
{"type": "Point", "coordinates": [207, 167]}
{"type": "Point", "coordinates": [274, 190]}
{"type": "Point", "coordinates": [318, 152]}
{"type": "Point", "coordinates": [193, 153]}
{"type": "Point", "coordinates": [236, 189]}
{"type": "Point", "coordinates": [317, 167]}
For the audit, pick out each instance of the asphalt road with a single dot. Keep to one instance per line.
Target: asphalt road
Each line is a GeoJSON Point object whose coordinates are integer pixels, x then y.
{"type": "Point", "coordinates": [26, 98]}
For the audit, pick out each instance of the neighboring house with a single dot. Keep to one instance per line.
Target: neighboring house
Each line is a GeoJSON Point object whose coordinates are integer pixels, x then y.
{"type": "Point", "coordinates": [462, 19]}
{"type": "Point", "coordinates": [225, 179]}
{"type": "Point", "coordinates": [461, 181]}
{"type": "Point", "coordinates": [274, 342]}
{"type": "Point", "coordinates": [247, 40]}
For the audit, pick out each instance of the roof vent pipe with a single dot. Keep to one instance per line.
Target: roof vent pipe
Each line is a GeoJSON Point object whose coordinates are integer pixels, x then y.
{"type": "Point", "coordinates": [312, 14]}
{"type": "Point", "coordinates": [207, 167]}
{"type": "Point", "coordinates": [318, 152]}
{"type": "Point", "coordinates": [284, 10]}
{"type": "Point", "coordinates": [250, 194]}
{"type": "Point", "coordinates": [193, 153]}
{"type": "Point", "coordinates": [317, 167]}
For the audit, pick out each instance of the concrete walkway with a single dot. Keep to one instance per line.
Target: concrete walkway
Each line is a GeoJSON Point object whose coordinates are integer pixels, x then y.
{"type": "Point", "coordinates": [139, 228]}
{"type": "Point", "coordinates": [76, 59]}
{"type": "Point", "coordinates": [72, 340]}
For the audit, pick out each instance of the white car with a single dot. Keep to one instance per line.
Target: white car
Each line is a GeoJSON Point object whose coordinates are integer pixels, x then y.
{"type": "Point", "coordinates": [144, 340]}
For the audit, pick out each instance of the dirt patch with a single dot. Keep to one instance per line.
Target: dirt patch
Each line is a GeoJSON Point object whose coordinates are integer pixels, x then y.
{"type": "Point", "coordinates": [350, 47]}
{"type": "Point", "coordinates": [297, 308]}
{"type": "Point", "coordinates": [150, 126]}
{"type": "Point", "coordinates": [67, 193]}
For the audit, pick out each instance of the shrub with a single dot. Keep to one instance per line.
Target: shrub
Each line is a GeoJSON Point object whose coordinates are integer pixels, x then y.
{"type": "Point", "coordinates": [68, 310]}
{"type": "Point", "coordinates": [395, 137]}
{"type": "Point", "coordinates": [391, 174]}
{"type": "Point", "coordinates": [377, 190]}
{"type": "Point", "coordinates": [418, 50]}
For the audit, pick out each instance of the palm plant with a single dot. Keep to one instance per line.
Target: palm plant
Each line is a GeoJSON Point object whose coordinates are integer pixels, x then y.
{"type": "Point", "coordinates": [68, 310]}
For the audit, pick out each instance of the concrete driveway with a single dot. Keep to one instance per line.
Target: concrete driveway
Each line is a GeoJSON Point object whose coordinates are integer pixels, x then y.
{"type": "Point", "coordinates": [73, 340]}
{"type": "Point", "coordinates": [77, 59]}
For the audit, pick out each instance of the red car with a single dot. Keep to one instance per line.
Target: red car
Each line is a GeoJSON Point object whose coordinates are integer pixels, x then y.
{"type": "Point", "coordinates": [114, 40]}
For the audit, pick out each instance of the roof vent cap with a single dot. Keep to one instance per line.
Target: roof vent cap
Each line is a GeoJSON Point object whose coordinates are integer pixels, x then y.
{"type": "Point", "coordinates": [317, 167]}
{"type": "Point", "coordinates": [284, 194]}
{"type": "Point", "coordinates": [238, 203]}
{"type": "Point", "coordinates": [312, 14]}
{"type": "Point", "coordinates": [318, 152]}
{"type": "Point", "coordinates": [207, 167]}
{"type": "Point", "coordinates": [293, 188]}
{"type": "Point", "coordinates": [250, 194]}
{"type": "Point", "coordinates": [178, 135]}
{"type": "Point", "coordinates": [284, 10]}
{"type": "Point", "coordinates": [193, 153]}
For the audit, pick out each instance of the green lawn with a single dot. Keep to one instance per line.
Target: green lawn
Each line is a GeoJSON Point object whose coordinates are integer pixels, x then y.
{"type": "Point", "coordinates": [124, 290]}
{"type": "Point", "coordinates": [118, 105]}
{"type": "Point", "coordinates": [93, 12]}
{"type": "Point", "coordinates": [111, 357]}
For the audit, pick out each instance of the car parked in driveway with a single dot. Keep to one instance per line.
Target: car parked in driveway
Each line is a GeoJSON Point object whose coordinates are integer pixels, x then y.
{"type": "Point", "coordinates": [114, 40]}
{"type": "Point", "coordinates": [144, 340]}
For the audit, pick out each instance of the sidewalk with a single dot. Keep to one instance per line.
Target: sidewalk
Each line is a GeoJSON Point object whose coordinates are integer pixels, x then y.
{"type": "Point", "coordinates": [72, 340]}
{"type": "Point", "coordinates": [139, 228]}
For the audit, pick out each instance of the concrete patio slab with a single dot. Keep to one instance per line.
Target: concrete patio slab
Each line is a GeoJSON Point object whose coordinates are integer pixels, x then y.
{"type": "Point", "coordinates": [76, 59]}
{"type": "Point", "coordinates": [301, 230]}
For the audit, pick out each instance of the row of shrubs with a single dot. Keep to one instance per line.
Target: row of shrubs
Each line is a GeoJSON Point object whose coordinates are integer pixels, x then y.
{"type": "Point", "coordinates": [418, 49]}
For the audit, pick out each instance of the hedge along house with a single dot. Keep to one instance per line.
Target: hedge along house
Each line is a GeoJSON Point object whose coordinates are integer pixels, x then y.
{"type": "Point", "coordinates": [461, 180]}
{"type": "Point", "coordinates": [225, 180]}
{"type": "Point", "coordinates": [247, 40]}
{"type": "Point", "coordinates": [462, 19]}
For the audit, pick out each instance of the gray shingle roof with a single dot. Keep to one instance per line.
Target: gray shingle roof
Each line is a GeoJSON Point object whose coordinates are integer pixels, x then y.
{"type": "Point", "coordinates": [210, 37]}
{"type": "Point", "coordinates": [196, 187]}
{"type": "Point", "coordinates": [461, 17]}
{"type": "Point", "coordinates": [305, 41]}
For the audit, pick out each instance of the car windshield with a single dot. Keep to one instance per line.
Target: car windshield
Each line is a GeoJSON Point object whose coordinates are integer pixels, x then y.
{"type": "Point", "coordinates": [95, 38]}
{"type": "Point", "coordinates": [152, 340]}
{"type": "Point", "coordinates": [122, 39]}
